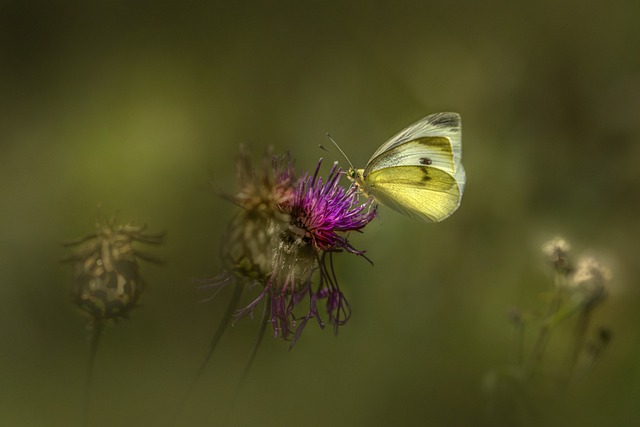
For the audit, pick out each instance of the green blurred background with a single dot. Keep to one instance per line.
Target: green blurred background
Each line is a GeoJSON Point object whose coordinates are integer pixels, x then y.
{"type": "Point", "coordinates": [136, 106]}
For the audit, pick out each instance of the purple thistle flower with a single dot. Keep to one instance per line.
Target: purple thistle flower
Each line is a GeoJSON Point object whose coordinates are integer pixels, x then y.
{"type": "Point", "coordinates": [322, 210]}
{"type": "Point", "coordinates": [286, 236]}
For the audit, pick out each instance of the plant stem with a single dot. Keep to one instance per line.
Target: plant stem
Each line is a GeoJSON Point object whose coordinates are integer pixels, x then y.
{"type": "Point", "coordinates": [259, 335]}
{"type": "Point", "coordinates": [542, 339]}
{"type": "Point", "coordinates": [96, 332]}
{"type": "Point", "coordinates": [226, 319]}
{"type": "Point", "coordinates": [580, 333]}
{"type": "Point", "coordinates": [217, 336]}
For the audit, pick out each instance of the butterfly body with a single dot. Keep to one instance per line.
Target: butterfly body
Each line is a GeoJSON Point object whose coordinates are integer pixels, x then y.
{"type": "Point", "coordinates": [419, 171]}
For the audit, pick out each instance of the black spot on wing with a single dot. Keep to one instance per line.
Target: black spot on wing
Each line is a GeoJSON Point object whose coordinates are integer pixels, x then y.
{"type": "Point", "coordinates": [425, 161]}
{"type": "Point", "coordinates": [425, 174]}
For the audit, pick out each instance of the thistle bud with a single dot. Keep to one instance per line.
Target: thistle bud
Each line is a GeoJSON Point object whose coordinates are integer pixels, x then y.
{"type": "Point", "coordinates": [255, 233]}
{"type": "Point", "coordinates": [107, 281]}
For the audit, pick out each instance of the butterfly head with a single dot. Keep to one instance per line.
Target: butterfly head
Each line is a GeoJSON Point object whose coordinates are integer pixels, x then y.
{"type": "Point", "coordinates": [352, 174]}
{"type": "Point", "coordinates": [356, 176]}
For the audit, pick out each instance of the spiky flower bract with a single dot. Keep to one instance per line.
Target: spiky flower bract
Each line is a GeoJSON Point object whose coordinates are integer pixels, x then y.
{"type": "Point", "coordinates": [107, 282]}
{"type": "Point", "coordinates": [283, 240]}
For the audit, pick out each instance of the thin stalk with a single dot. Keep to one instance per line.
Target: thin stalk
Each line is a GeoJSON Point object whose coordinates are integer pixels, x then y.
{"type": "Point", "coordinates": [226, 319]}
{"type": "Point", "coordinates": [259, 335]}
{"type": "Point", "coordinates": [217, 336]}
{"type": "Point", "coordinates": [520, 344]}
{"type": "Point", "coordinates": [542, 339]}
{"type": "Point", "coordinates": [96, 332]}
{"type": "Point", "coordinates": [580, 333]}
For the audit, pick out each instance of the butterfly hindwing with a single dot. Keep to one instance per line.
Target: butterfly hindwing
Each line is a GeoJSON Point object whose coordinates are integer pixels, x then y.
{"type": "Point", "coordinates": [422, 192]}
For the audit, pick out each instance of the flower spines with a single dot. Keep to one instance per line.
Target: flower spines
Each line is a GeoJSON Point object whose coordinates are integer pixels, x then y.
{"type": "Point", "coordinates": [254, 234]}
{"type": "Point", "coordinates": [261, 192]}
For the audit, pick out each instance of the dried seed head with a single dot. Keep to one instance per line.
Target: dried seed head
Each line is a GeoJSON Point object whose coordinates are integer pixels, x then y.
{"type": "Point", "coordinates": [557, 254]}
{"type": "Point", "coordinates": [591, 278]}
{"type": "Point", "coordinates": [255, 234]}
{"type": "Point", "coordinates": [107, 282]}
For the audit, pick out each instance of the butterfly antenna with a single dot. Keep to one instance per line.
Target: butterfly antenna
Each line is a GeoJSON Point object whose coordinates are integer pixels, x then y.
{"type": "Point", "coordinates": [340, 149]}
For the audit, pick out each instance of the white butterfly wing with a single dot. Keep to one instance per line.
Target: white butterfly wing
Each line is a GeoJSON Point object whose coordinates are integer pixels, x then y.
{"type": "Point", "coordinates": [439, 124]}
{"type": "Point", "coordinates": [419, 172]}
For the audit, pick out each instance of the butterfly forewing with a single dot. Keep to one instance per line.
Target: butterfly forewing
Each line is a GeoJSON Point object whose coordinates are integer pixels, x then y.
{"type": "Point", "coordinates": [438, 124]}
{"type": "Point", "coordinates": [426, 151]}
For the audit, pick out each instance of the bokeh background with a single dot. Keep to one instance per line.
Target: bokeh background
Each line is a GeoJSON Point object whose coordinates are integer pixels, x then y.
{"type": "Point", "coordinates": [137, 106]}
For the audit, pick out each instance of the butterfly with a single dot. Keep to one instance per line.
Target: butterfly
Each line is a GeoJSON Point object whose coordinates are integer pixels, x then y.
{"type": "Point", "coordinates": [418, 172]}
